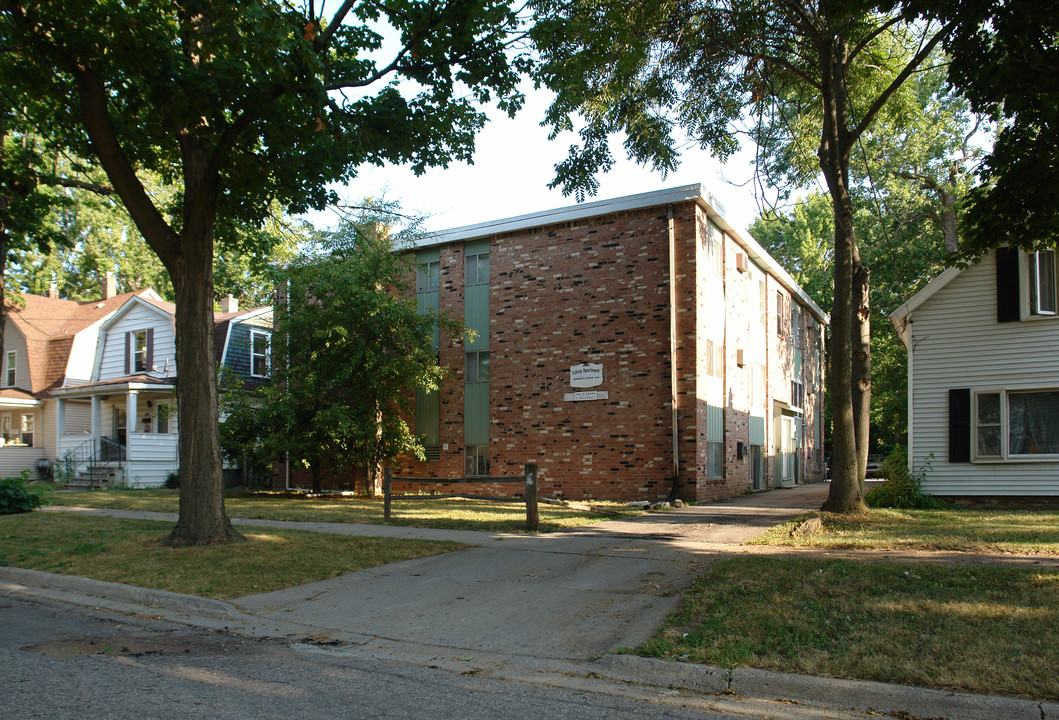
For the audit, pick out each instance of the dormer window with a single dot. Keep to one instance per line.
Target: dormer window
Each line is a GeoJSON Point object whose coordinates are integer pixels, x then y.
{"type": "Point", "coordinates": [259, 364]}
{"type": "Point", "coordinates": [139, 351]}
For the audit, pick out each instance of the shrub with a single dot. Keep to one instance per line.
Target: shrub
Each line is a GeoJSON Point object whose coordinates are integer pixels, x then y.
{"type": "Point", "coordinates": [902, 489]}
{"type": "Point", "coordinates": [17, 497]}
{"type": "Point", "coordinates": [172, 481]}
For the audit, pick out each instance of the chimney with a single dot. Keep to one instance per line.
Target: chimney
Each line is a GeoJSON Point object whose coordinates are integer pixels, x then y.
{"type": "Point", "coordinates": [53, 290]}
{"type": "Point", "coordinates": [229, 304]}
{"type": "Point", "coordinates": [110, 286]}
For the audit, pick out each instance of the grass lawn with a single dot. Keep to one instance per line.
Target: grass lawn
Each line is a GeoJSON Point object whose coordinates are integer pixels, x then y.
{"type": "Point", "coordinates": [128, 551]}
{"type": "Point", "coordinates": [977, 531]}
{"type": "Point", "coordinates": [977, 629]}
{"type": "Point", "coordinates": [448, 513]}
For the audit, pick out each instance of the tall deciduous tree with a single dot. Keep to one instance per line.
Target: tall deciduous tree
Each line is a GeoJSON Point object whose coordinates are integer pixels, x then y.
{"type": "Point", "coordinates": [351, 349]}
{"type": "Point", "coordinates": [242, 104]}
{"type": "Point", "coordinates": [792, 70]}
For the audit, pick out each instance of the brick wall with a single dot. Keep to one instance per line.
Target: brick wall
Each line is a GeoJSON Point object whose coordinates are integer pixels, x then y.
{"type": "Point", "coordinates": [597, 291]}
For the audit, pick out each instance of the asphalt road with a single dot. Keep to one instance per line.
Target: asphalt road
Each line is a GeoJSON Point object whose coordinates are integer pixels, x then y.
{"type": "Point", "coordinates": [61, 661]}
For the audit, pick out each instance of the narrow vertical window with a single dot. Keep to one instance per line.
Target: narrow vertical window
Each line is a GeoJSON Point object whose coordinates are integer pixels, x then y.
{"type": "Point", "coordinates": [12, 366]}
{"type": "Point", "coordinates": [779, 313]}
{"type": "Point", "coordinates": [1042, 283]}
{"type": "Point", "coordinates": [259, 355]}
{"type": "Point", "coordinates": [139, 351]}
{"type": "Point", "coordinates": [26, 429]}
{"type": "Point", "coordinates": [987, 417]}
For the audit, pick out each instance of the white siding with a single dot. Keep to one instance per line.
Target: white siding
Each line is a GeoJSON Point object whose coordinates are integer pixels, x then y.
{"type": "Point", "coordinates": [15, 340]}
{"type": "Point", "coordinates": [141, 473]}
{"type": "Point", "coordinates": [153, 447]}
{"type": "Point", "coordinates": [83, 354]}
{"type": "Point", "coordinates": [956, 342]}
{"type": "Point", "coordinates": [14, 460]}
{"type": "Point", "coordinates": [78, 417]}
{"type": "Point", "coordinates": [139, 317]}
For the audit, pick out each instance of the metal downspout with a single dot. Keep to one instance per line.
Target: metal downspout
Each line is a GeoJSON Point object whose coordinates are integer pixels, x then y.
{"type": "Point", "coordinates": [673, 343]}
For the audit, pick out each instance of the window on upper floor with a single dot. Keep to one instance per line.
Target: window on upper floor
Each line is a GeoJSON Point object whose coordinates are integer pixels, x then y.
{"type": "Point", "coordinates": [797, 393]}
{"type": "Point", "coordinates": [477, 369]}
{"type": "Point", "coordinates": [1043, 300]}
{"type": "Point", "coordinates": [796, 326]}
{"type": "Point", "coordinates": [259, 353]}
{"type": "Point", "coordinates": [779, 313]}
{"type": "Point", "coordinates": [477, 269]}
{"type": "Point", "coordinates": [12, 367]}
{"type": "Point", "coordinates": [138, 348]}
{"type": "Point", "coordinates": [428, 277]}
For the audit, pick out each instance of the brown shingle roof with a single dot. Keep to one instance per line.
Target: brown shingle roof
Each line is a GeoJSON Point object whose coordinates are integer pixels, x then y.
{"type": "Point", "coordinates": [49, 326]}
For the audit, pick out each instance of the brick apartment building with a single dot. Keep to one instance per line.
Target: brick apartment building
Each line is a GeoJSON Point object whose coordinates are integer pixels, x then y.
{"type": "Point", "coordinates": [620, 344]}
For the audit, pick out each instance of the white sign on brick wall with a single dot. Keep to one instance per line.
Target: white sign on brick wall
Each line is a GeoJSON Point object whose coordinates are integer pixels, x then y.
{"type": "Point", "coordinates": [586, 395]}
{"type": "Point", "coordinates": [586, 375]}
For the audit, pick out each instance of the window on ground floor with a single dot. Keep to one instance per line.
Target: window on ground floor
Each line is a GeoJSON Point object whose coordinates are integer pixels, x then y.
{"type": "Point", "coordinates": [476, 460]}
{"type": "Point", "coordinates": [757, 466]}
{"type": "Point", "coordinates": [1015, 424]}
{"type": "Point", "coordinates": [26, 425]}
{"type": "Point", "coordinates": [714, 459]}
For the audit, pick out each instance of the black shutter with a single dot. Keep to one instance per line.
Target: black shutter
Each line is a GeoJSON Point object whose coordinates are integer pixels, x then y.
{"type": "Point", "coordinates": [1007, 285]}
{"type": "Point", "coordinates": [960, 425]}
{"type": "Point", "coordinates": [128, 353]}
{"type": "Point", "coordinates": [150, 349]}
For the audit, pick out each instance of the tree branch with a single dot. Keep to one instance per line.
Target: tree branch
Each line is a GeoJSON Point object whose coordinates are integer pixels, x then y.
{"type": "Point", "coordinates": [908, 69]}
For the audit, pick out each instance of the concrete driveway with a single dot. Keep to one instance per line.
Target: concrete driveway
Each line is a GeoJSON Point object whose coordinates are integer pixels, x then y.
{"type": "Point", "coordinates": [572, 595]}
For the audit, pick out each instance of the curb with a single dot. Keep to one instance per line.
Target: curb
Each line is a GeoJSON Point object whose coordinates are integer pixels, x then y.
{"type": "Point", "coordinates": [900, 700]}
{"type": "Point", "coordinates": [120, 592]}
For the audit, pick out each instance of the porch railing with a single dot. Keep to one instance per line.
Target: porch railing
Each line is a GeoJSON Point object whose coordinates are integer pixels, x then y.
{"type": "Point", "coordinates": [88, 454]}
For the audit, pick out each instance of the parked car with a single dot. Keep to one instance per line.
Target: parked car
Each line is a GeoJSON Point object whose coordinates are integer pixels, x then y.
{"type": "Point", "coordinates": [875, 463]}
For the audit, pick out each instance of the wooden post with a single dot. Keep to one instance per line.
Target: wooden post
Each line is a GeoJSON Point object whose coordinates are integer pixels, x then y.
{"type": "Point", "coordinates": [532, 517]}
{"type": "Point", "coordinates": [386, 481]}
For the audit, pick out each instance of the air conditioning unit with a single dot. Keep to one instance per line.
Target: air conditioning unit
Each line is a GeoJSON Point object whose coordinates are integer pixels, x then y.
{"type": "Point", "coordinates": [742, 263]}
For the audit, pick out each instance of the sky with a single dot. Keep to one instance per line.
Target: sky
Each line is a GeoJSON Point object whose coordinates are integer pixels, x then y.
{"type": "Point", "coordinates": [513, 164]}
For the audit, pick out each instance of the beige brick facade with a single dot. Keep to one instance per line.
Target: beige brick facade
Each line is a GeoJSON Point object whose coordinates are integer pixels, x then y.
{"type": "Point", "coordinates": [592, 284]}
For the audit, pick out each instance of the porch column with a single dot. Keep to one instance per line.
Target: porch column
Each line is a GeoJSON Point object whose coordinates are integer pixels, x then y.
{"type": "Point", "coordinates": [60, 420]}
{"type": "Point", "coordinates": [97, 423]}
{"type": "Point", "coordinates": [130, 415]}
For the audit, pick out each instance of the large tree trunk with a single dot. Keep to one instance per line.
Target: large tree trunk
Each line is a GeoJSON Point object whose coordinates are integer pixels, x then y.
{"type": "Point", "coordinates": [202, 517]}
{"type": "Point", "coordinates": [845, 495]}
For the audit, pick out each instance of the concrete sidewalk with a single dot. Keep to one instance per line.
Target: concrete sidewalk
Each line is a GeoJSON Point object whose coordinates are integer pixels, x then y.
{"type": "Point", "coordinates": [530, 606]}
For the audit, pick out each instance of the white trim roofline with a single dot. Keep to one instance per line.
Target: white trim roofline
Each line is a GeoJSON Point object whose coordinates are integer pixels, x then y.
{"type": "Point", "coordinates": [696, 192]}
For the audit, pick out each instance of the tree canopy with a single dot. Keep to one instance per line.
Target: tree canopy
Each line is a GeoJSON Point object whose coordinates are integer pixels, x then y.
{"type": "Point", "coordinates": [242, 104]}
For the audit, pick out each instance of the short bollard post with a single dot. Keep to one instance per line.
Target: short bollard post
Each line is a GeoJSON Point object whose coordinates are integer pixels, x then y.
{"type": "Point", "coordinates": [387, 474]}
{"type": "Point", "coordinates": [532, 516]}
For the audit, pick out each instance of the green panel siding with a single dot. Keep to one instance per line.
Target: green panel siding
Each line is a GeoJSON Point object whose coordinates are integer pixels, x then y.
{"type": "Point", "coordinates": [428, 417]}
{"type": "Point", "coordinates": [714, 424]}
{"type": "Point", "coordinates": [428, 255]}
{"type": "Point", "coordinates": [427, 301]}
{"type": "Point", "coordinates": [476, 316]}
{"type": "Point", "coordinates": [757, 430]}
{"type": "Point", "coordinates": [476, 246]}
{"type": "Point", "coordinates": [476, 414]}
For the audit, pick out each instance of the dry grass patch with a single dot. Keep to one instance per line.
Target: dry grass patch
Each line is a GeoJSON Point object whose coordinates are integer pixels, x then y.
{"type": "Point", "coordinates": [983, 630]}
{"type": "Point", "coordinates": [415, 511]}
{"type": "Point", "coordinates": [978, 531]}
{"type": "Point", "coordinates": [129, 551]}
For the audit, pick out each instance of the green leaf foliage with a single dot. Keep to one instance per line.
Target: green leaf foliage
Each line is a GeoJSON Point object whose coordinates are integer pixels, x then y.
{"type": "Point", "coordinates": [351, 348]}
{"type": "Point", "coordinates": [16, 496]}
